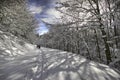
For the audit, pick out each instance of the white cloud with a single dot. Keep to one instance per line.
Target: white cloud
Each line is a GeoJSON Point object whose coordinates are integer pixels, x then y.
{"type": "Point", "coordinates": [62, 0]}
{"type": "Point", "coordinates": [53, 12]}
{"type": "Point", "coordinates": [53, 16]}
{"type": "Point", "coordinates": [43, 32]}
{"type": "Point", "coordinates": [35, 9]}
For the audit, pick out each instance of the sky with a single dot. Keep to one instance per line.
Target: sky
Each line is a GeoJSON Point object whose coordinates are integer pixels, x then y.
{"type": "Point", "coordinates": [43, 10]}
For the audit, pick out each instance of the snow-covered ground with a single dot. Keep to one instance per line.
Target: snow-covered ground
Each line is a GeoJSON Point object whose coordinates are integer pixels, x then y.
{"type": "Point", "coordinates": [22, 61]}
{"type": "Point", "coordinates": [51, 64]}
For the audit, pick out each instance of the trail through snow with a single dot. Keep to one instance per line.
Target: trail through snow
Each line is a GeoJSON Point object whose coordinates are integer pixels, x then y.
{"type": "Point", "coordinates": [51, 64]}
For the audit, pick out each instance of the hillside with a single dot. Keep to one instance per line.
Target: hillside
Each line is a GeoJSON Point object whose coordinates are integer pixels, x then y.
{"type": "Point", "coordinates": [12, 46]}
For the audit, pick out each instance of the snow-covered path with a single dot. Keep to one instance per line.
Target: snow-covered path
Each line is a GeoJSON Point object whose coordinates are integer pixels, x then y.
{"type": "Point", "coordinates": [51, 64]}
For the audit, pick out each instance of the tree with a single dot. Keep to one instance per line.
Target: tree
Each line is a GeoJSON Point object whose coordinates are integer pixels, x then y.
{"type": "Point", "coordinates": [16, 18]}
{"type": "Point", "coordinates": [87, 27]}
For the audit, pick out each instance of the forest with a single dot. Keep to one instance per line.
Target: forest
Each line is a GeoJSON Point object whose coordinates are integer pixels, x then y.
{"type": "Point", "coordinates": [87, 27]}
{"type": "Point", "coordinates": [83, 43]}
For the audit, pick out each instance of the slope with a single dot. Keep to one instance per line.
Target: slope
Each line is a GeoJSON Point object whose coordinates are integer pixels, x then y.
{"type": "Point", "coordinates": [51, 64]}
{"type": "Point", "coordinates": [22, 61]}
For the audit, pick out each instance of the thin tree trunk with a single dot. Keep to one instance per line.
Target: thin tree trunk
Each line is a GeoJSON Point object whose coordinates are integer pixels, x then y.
{"type": "Point", "coordinates": [97, 43]}
{"type": "Point", "coordinates": [97, 11]}
{"type": "Point", "coordinates": [107, 49]}
{"type": "Point", "coordinates": [115, 33]}
{"type": "Point", "coordinates": [87, 47]}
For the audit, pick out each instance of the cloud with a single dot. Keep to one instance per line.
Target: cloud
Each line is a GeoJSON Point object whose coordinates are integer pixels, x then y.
{"type": "Point", "coordinates": [53, 12]}
{"type": "Point", "coordinates": [62, 0]}
{"type": "Point", "coordinates": [44, 10]}
{"type": "Point", "coordinates": [50, 15]}
{"type": "Point", "coordinates": [35, 9]}
{"type": "Point", "coordinates": [42, 29]}
{"type": "Point", "coordinates": [43, 32]}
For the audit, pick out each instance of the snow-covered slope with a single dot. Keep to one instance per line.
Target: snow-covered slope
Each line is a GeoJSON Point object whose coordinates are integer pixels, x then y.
{"type": "Point", "coordinates": [12, 46]}
{"type": "Point", "coordinates": [51, 64]}
{"type": "Point", "coordinates": [22, 61]}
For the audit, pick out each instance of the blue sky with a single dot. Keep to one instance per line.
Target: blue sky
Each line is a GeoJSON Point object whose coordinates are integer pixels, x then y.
{"type": "Point", "coordinates": [43, 9]}
{"type": "Point", "coordinates": [42, 29]}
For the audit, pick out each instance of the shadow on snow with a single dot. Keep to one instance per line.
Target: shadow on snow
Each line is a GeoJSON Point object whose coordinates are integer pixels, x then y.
{"type": "Point", "coordinates": [50, 64]}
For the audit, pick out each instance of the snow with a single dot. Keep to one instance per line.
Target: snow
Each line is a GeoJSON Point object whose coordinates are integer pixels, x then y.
{"type": "Point", "coordinates": [26, 62]}
{"type": "Point", "coordinates": [52, 64]}
{"type": "Point", "coordinates": [7, 51]}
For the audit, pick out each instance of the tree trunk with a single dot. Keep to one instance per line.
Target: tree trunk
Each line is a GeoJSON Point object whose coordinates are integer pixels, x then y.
{"type": "Point", "coordinates": [97, 43]}
{"type": "Point", "coordinates": [97, 11]}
